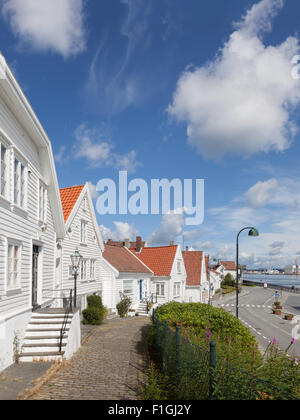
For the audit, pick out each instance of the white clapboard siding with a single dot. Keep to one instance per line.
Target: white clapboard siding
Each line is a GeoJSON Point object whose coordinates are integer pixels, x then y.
{"type": "Point", "coordinates": [90, 251]}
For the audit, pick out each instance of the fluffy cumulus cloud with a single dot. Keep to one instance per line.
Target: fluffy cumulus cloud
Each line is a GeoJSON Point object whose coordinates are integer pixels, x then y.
{"type": "Point", "coordinates": [122, 231]}
{"type": "Point", "coordinates": [55, 25]}
{"type": "Point", "coordinates": [258, 195]}
{"type": "Point", "coordinates": [241, 102]}
{"type": "Point", "coordinates": [98, 152]}
{"type": "Point", "coordinates": [171, 227]}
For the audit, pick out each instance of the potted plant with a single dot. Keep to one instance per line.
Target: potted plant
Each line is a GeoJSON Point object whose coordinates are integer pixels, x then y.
{"type": "Point", "coordinates": [277, 305]}
{"type": "Point", "coordinates": [289, 317]}
{"type": "Point", "coordinates": [276, 311]}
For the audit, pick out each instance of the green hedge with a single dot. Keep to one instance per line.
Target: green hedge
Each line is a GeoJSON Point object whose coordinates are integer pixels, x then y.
{"type": "Point", "coordinates": [199, 320]}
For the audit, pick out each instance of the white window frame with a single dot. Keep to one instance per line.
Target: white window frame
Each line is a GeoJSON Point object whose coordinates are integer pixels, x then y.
{"type": "Point", "coordinates": [43, 200]}
{"type": "Point", "coordinates": [176, 289]}
{"type": "Point", "coordinates": [92, 269]}
{"type": "Point", "coordinates": [4, 194]}
{"type": "Point", "coordinates": [159, 287]}
{"type": "Point", "coordinates": [16, 269]}
{"type": "Point", "coordinates": [128, 291]}
{"type": "Point", "coordinates": [83, 232]}
{"type": "Point", "coordinates": [179, 267]}
{"type": "Point", "coordinates": [19, 192]}
{"type": "Point", "coordinates": [84, 269]}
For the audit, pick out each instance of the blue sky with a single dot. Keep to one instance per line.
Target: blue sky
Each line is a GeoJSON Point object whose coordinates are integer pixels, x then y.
{"type": "Point", "coordinates": [172, 89]}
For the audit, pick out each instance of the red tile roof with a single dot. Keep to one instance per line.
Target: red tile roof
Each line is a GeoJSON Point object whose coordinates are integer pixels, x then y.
{"type": "Point", "coordinates": [193, 267]}
{"type": "Point", "coordinates": [228, 265]}
{"type": "Point", "coordinates": [123, 260]}
{"type": "Point", "coordinates": [159, 259]}
{"type": "Point", "coordinates": [69, 197]}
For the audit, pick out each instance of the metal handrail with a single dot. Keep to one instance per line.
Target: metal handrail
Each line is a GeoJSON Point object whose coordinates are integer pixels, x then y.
{"type": "Point", "coordinates": [69, 309]}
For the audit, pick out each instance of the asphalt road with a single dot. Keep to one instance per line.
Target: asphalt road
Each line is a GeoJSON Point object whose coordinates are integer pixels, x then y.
{"type": "Point", "coordinates": [256, 313]}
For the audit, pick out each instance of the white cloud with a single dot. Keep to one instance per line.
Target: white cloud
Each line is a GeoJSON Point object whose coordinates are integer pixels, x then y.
{"type": "Point", "coordinates": [258, 195]}
{"type": "Point", "coordinates": [122, 231]}
{"type": "Point", "coordinates": [55, 25]}
{"type": "Point", "coordinates": [171, 227]}
{"type": "Point", "coordinates": [93, 190]}
{"type": "Point", "coordinates": [240, 103]}
{"type": "Point", "coordinates": [98, 152]}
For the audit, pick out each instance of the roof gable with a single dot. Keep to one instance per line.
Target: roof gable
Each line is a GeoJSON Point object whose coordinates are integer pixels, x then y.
{"type": "Point", "coordinates": [193, 266]}
{"type": "Point", "coordinates": [159, 259]}
{"type": "Point", "coordinates": [229, 265]}
{"type": "Point", "coordinates": [69, 197]}
{"type": "Point", "coordinates": [124, 260]}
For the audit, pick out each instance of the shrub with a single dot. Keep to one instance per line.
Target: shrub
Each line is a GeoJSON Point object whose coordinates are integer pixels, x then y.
{"type": "Point", "coordinates": [123, 306]}
{"type": "Point", "coordinates": [197, 318]}
{"type": "Point", "coordinates": [92, 316]}
{"type": "Point", "coordinates": [94, 300]}
{"type": "Point", "coordinates": [95, 312]}
{"type": "Point", "coordinates": [228, 280]}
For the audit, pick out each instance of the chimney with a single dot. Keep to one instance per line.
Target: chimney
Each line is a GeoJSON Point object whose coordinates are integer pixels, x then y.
{"type": "Point", "coordinates": [172, 243]}
{"type": "Point", "coordinates": [127, 243]}
{"type": "Point", "coordinates": [186, 248]}
{"type": "Point", "coordinates": [139, 244]}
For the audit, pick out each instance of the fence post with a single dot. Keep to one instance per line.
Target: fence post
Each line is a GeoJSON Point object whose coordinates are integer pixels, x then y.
{"type": "Point", "coordinates": [177, 352]}
{"type": "Point", "coordinates": [212, 366]}
{"type": "Point", "coordinates": [165, 346]}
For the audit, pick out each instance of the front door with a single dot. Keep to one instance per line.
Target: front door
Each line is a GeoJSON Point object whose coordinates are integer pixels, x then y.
{"type": "Point", "coordinates": [141, 289]}
{"type": "Point", "coordinates": [35, 266]}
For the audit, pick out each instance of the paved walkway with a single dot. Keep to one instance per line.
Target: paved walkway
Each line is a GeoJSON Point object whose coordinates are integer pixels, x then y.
{"type": "Point", "coordinates": [109, 366]}
{"type": "Point", "coordinates": [19, 377]}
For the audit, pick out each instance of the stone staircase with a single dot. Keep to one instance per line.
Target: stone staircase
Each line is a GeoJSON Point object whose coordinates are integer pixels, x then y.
{"type": "Point", "coordinates": [142, 309]}
{"type": "Point", "coordinates": [42, 337]}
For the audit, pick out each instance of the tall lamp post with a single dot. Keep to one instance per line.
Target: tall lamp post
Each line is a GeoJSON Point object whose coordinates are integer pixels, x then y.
{"type": "Point", "coordinates": [76, 259]}
{"type": "Point", "coordinates": [252, 232]}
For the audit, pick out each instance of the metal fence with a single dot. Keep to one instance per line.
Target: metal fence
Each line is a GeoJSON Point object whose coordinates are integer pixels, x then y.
{"type": "Point", "coordinates": [197, 373]}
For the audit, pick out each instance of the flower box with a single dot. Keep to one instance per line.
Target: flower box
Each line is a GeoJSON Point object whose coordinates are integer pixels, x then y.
{"type": "Point", "coordinates": [276, 311]}
{"type": "Point", "coordinates": [289, 317]}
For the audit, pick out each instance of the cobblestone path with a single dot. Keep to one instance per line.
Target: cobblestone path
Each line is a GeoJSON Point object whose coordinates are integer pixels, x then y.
{"type": "Point", "coordinates": [109, 366]}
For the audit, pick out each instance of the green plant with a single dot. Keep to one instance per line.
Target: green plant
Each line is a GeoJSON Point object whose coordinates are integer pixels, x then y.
{"type": "Point", "coordinates": [105, 312]}
{"type": "Point", "coordinates": [156, 388]}
{"type": "Point", "coordinates": [289, 317]}
{"type": "Point", "coordinates": [17, 346]}
{"type": "Point", "coordinates": [123, 306]}
{"type": "Point", "coordinates": [92, 316]}
{"type": "Point", "coordinates": [95, 312]}
{"type": "Point", "coordinates": [228, 281]}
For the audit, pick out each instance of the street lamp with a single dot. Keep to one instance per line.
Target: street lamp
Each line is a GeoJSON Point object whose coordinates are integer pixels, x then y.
{"type": "Point", "coordinates": [76, 259]}
{"type": "Point", "coordinates": [252, 232]}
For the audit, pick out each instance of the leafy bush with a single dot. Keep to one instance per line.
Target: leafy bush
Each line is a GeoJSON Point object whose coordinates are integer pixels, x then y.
{"type": "Point", "coordinates": [123, 306]}
{"type": "Point", "coordinates": [197, 319]}
{"type": "Point", "coordinates": [92, 316]}
{"type": "Point", "coordinates": [228, 280]}
{"type": "Point", "coordinates": [95, 312]}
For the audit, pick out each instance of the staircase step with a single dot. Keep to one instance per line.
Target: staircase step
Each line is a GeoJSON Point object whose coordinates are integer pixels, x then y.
{"type": "Point", "coordinates": [49, 331]}
{"type": "Point", "coordinates": [43, 340]}
{"type": "Point", "coordinates": [37, 357]}
{"type": "Point", "coordinates": [50, 318]}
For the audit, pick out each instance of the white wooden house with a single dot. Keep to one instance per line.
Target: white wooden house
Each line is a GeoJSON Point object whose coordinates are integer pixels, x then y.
{"type": "Point", "coordinates": [197, 282]}
{"type": "Point", "coordinates": [169, 274]}
{"type": "Point", "coordinates": [124, 273]}
{"type": "Point", "coordinates": [82, 233]}
{"type": "Point", "coordinates": [31, 217]}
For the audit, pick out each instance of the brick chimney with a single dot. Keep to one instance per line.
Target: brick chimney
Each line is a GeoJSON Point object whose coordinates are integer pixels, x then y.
{"type": "Point", "coordinates": [139, 244]}
{"type": "Point", "coordinates": [186, 248]}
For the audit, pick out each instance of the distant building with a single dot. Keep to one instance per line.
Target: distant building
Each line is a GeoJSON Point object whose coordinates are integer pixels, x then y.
{"type": "Point", "coordinates": [291, 269]}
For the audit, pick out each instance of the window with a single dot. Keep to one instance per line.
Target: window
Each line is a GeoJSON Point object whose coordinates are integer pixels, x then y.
{"type": "Point", "coordinates": [160, 289]}
{"type": "Point", "coordinates": [83, 270]}
{"type": "Point", "coordinates": [19, 183]}
{"type": "Point", "coordinates": [92, 269]}
{"type": "Point", "coordinates": [43, 203]}
{"type": "Point", "coordinates": [176, 289]}
{"type": "Point", "coordinates": [13, 264]}
{"type": "Point", "coordinates": [3, 171]}
{"type": "Point", "coordinates": [127, 287]}
{"type": "Point", "coordinates": [83, 232]}
{"type": "Point", "coordinates": [179, 267]}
